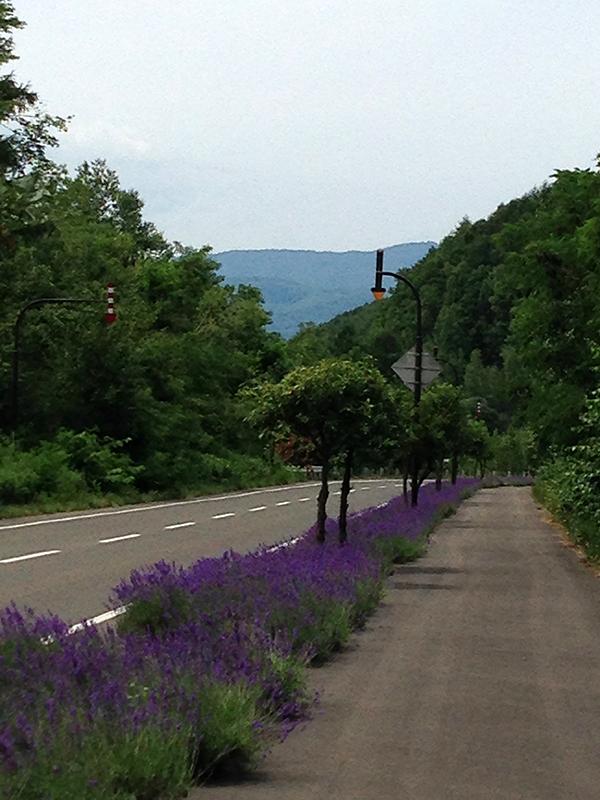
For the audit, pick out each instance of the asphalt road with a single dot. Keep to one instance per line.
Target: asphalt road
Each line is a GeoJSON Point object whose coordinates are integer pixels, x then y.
{"type": "Point", "coordinates": [68, 563]}
{"type": "Point", "coordinates": [478, 679]}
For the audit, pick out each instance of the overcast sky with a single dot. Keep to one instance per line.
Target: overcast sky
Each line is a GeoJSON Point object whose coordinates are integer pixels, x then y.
{"type": "Point", "coordinates": [319, 124]}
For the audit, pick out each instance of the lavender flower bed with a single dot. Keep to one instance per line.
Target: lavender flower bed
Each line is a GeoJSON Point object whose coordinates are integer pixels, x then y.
{"type": "Point", "coordinates": [204, 669]}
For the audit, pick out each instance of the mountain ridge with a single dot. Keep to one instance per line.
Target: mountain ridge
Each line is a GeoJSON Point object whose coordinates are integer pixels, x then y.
{"type": "Point", "coordinates": [312, 285]}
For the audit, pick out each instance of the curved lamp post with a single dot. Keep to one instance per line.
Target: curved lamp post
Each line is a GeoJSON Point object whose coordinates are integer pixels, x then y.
{"type": "Point", "coordinates": [378, 293]}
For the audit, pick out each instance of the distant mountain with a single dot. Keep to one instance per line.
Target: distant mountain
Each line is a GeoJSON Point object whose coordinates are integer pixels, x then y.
{"type": "Point", "coordinates": [310, 286]}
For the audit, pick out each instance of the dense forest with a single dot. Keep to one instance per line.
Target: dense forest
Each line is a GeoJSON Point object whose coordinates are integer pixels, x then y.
{"type": "Point", "coordinates": [152, 404]}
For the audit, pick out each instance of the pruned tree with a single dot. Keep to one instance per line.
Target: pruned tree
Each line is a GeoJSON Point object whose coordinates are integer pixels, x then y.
{"type": "Point", "coordinates": [340, 406]}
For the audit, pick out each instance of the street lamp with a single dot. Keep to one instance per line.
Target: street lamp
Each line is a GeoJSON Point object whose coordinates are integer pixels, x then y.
{"type": "Point", "coordinates": [378, 293]}
{"type": "Point", "coordinates": [43, 301]}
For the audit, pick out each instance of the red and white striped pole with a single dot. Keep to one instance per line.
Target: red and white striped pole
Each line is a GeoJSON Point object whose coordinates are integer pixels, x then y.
{"type": "Point", "coordinates": [111, 314]}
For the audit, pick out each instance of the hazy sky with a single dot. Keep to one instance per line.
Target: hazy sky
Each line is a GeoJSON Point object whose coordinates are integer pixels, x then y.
{"type": "Point", "coordinates": [319, 124]}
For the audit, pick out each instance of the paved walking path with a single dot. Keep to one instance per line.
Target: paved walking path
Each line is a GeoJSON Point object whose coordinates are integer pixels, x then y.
{"type": "Point", "coordinates": [479, 679]}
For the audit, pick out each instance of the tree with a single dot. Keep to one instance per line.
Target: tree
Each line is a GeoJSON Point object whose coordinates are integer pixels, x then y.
{"type": "Point", "coordinates": [25, 131]}
{"type": "Point", "coordinates": [339, 406]}
{"type": "Point", "coordinates": [440, 428]}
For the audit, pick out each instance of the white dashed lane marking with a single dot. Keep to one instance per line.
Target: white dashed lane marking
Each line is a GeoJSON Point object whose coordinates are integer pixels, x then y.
{"type": "Point", "coordinates": [30, 555]}
{"type": "Point", "coordinates": [258, 508]}
{"type": "Point", "coordinates": [179, 525]}
{"type": "Point", "coordinates": [222, 516]}
{"type": "Point", "coordinates": [119, 538]}
{"type": "Point", "coordinates": [303, 499]}
{"type": "Point", "coordinates": [284, 503]}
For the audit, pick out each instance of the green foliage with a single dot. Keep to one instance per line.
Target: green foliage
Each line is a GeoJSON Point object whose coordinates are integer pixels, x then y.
{"type": "Point", "coordinates": [398, 550]}
{"type": "Point", "coordinates": [569, 485]}
{"type": "Point", "coordinates": [44, 470]}
{"type": "Point", "coordinates": [335, 404]}
{"type": "Point", "coordinates": [162, 611]}
{"type": "Point", "coordinates": [73, 465]}
{"type": "Point", "coordinates": [511, 453]}
{"type": "Point", "coordinates": [440, 421]}
{"type": "Point", "coordinates": [103, 466]}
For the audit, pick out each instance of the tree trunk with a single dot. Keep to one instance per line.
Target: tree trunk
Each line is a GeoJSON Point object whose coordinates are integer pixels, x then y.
{"type": "Point", "coordinates": [454, 467]}
{"type": "Point", "coordinates": [438, 474]}
{"type": "Point", "coordinates": [322, 502]}
{"type": "Point", "coordinates": [414, 482]}
{"type": "Point", "coordinates": [342, 521]}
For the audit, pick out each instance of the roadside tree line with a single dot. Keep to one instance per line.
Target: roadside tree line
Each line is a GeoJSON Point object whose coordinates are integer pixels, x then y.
{"type": "Point", "coordinates": [345, 414]}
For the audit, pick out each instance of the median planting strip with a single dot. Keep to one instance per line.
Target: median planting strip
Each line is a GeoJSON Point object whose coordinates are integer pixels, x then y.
{"type": "Point", "coordinates": [205, 668]}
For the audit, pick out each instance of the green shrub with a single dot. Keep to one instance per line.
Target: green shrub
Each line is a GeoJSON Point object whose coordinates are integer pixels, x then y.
{"type": "Point", "coordinates": [45, 470]}
{"type": "Point", "coordinates": [100, 461]}
{"type": "Point", "coordinates": [162, 611]}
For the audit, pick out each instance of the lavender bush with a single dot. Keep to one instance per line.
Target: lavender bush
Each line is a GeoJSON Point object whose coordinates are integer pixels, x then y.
{"type": "Point", "coordinates": [205, 668]}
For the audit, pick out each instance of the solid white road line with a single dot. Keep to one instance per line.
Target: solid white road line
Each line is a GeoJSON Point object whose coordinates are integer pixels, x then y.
{"type": "Point", "coordinates": [119, 538]}
{"type": "Point", "coordinates": [31, 555]}
{"type": "Point", "coordinates": [106, 617]}
{"type": "Point", "coordinates": [283, 544]}
{"type": "Point", "coordinates": [258, 508]}
{"type": "Point", "coordinates": [222, 516]}
{"type": "Point", "coordinates": [284, 503]}
{"type": "Point", "coordinates": [179, 525]}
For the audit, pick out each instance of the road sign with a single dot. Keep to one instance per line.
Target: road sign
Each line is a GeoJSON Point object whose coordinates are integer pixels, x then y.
{"type": "Point", "coordinates": [405, 369]}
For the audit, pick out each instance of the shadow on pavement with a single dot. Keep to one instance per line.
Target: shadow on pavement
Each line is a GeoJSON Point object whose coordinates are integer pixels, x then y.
{"type": "Point", "coordinates": [422, 570]}
{"type": "Point", "coordinates": [406, 585]}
